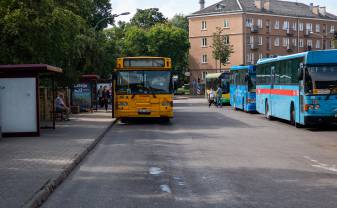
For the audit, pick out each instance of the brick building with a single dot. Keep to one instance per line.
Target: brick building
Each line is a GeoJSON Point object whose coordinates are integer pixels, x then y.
{"type": "Point", "coordinates": [256, 29]}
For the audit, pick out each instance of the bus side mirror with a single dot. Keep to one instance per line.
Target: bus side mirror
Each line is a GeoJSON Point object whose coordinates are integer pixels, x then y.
{"type": "Point", "coordinates": [300, 74]}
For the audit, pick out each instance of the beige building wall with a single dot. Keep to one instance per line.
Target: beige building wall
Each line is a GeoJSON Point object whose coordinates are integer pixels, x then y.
{"type": "Point", "coordinates": [240, 37]}
{"type": "Point", "coordinates": [197, 50]}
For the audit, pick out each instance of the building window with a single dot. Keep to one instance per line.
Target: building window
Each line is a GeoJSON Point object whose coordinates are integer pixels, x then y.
{"type": "Point", "coordinates": [203, 75]}
{"type": "Point", "coordinates": [277, 41]}
{"type": "Point", "coordinates": [285, 42]}
{"type": "Point", "coordinates": [318, 28]}
{"type": "Point", "coordinates": [226, 39]}
{"type": "Point", "coordinates": [260, 40]}
{"type": "Point", "coordinates": [308, 27]}
{"type": "Point", "coordinates": [250, 57]}
{"type": "Point", "coordinates": [332, 44]}
{"type": "Point", "coordinates": [301, 43]}
{"type": "Point", "coordinates": [203, 42]}
{"type": "Point", "coordinates": [277, 25]}
{"type": "Point", "coordinates": [251, 39]}
{"type": "Point", "coordinates": [294, 26]}
{"type": "Point", "coordinates": [294, 42]}
{"type": "Point", "coordinates": [260, 23]}
{"type": "Point", "coordinates": [301, 27]}
{"type": "Point", "coordinates": [318, 44]}
{"type": "Point", "coordinates": [203, 25]}
{"type": "Point", "coordinates": [249, 22]}
{"type": "Point", "coordinates": [309, 43]}
{"type": "Point", "coordinates": [204, 59]}
{"type": "Point", "coordinates": [332, 29]}
{"type": "Point", "coordinates": [285, 25]}
{"type": "Point", "coordinates": [226, 24]}
{"type": "Point", "coordinates": [260, 56]}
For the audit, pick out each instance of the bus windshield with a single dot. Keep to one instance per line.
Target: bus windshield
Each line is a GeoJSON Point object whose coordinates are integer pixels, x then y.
{"type": "Point", "coordinates": [323, 77]}
{"type": "Point", "coordinates": [144, 82]}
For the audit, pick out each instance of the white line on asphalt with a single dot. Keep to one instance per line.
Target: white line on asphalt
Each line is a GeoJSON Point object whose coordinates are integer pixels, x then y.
{"type": "Point", "coordinates": [155, 171]}
{"type": "Point", "coordinates": [165, 188]}
{"type": "Point", "coordinates": [324, 166]}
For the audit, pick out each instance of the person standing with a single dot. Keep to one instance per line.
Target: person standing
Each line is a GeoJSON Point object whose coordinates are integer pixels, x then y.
{"type": "Point", "coordinates": [218, 97]}
{"type": "Point", "coordinates": [100, 96]}
{"type": "Point", "coordinates": [211, 97]}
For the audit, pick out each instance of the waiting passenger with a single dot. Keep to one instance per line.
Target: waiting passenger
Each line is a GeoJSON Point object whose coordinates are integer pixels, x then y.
{"type": "Point", "coordinates": [211, 97]}
{"type": "Point", "coordinates": [61, 107]}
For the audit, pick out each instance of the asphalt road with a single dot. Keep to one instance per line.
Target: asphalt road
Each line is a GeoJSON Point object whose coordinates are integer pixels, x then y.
{"type": "Point", "coordinates": [206, 158]}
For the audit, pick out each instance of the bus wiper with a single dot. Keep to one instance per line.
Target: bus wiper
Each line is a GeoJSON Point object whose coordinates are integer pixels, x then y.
{"type": "Point", "coordinates": [152, 92]}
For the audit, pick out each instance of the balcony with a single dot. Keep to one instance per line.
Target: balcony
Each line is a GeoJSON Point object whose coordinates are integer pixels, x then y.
{"type": "Point", "coordinates": [291, 48]}
{"type": "Point", "coordinates": [307, 33]}
{"type": "Point", "coordinates": [290, 32]}
{"type": "Point", "coordinates": [254, 29]}
{"type": "Point", "coordinates": [253, 46]}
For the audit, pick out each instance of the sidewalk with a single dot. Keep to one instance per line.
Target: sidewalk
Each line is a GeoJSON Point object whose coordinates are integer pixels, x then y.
{"type": "Point", "coordinates": [30, 167]}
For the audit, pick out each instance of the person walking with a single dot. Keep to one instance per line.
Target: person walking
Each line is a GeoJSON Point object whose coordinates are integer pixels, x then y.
{"type": "Point", "coordinates": [211, 96]}
{"type": "Point", "coordinates": [218, 97]}
{"type": "Point", "coordinates": [105, 99]}
{"type": "Point", "coordinates": [100, 96]}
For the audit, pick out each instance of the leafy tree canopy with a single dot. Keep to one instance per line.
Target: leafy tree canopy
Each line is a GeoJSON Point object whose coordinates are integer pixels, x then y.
{"type": "Point", "coordinates": [222, 50]}
{"type": "Point", "coordinates": [147, 18]}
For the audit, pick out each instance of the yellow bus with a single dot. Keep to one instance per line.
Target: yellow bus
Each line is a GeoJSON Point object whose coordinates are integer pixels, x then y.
{"type": "Point", "coordinates": [143, 88]}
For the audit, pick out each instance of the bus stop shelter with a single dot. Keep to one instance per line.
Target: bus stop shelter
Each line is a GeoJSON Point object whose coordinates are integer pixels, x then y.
{"type": "Point", "coordinates": [19, 98]}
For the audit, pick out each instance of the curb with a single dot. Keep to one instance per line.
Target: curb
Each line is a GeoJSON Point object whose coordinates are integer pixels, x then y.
{"type": "Point", "coordinates": [50, 186]}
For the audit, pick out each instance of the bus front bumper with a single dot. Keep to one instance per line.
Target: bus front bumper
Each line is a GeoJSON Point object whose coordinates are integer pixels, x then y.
{"type": "Point", "coordinates": [319, 119]}
{"type": "Point", "coordinates": [147, 114]}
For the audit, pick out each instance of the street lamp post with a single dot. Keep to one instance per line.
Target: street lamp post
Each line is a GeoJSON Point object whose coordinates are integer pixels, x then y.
{"type": "Point", "coordinates": [112, 17]}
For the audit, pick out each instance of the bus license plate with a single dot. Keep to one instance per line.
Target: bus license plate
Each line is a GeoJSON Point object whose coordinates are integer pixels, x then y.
{"type": "Point", "coordinates": [144, 111]}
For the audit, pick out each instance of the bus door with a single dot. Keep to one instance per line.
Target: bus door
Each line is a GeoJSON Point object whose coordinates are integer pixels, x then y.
{"type": "Point", "coordinates": [271, 98]}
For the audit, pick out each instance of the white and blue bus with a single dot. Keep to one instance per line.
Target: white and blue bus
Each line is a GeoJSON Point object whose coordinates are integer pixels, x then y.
{"type": "Point", "coordinates": [300, 88]}
{"type": "Point", "coordinates": [243, 88]}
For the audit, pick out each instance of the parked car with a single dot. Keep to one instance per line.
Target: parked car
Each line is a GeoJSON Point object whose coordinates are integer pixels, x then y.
{"type": "Point", "coordinates": [183, 90]}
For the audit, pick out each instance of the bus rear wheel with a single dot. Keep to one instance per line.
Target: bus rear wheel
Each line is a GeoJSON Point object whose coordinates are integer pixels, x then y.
{"type": "Point", "coordinates": [293, 117]}
{"type": "Point", "coordinates": [266, 110]}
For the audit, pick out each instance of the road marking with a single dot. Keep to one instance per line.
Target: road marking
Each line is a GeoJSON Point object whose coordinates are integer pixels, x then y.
{"type": "Point", "coordinates": [155, 171]}
{"type": "Point", "coordinates": [320, 165]}
{"type": "Point", "coordinates": [165, 188]}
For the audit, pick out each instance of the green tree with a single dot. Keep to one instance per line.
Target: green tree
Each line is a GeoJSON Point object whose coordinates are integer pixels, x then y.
{"type": "Point", "coordinates": [55, 32]}
{"type": "Point", "coordinates": [170, 41]}
{"type": "Point", "coordinates": [146, 18]}
{"type": "Point", "coordinates": [222, 50]}
{"type": "Point", "coordinates": [179, 20]}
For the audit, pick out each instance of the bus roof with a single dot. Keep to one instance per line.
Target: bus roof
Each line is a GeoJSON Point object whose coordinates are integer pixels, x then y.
{"type": "Point", "coordinates": [213, 75]}
{"type": "Point", "coordinates": [247, 67]}
{"type": "Point", "coordinates": [321, 57]}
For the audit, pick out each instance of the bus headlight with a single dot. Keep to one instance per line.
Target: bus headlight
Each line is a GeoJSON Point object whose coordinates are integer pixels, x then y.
{"type": "Point", "coordinates": [167, 103]}
{"type": "Point", "coordinates": [311, 107]}
{"type": "Point", "coordinates": [251, 100]}
{"type": "Point", "coordinates": [123, 104]}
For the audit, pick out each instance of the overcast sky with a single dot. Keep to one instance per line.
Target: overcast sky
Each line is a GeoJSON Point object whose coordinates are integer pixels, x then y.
{"type": "Point", "coordinates": [171, 7]}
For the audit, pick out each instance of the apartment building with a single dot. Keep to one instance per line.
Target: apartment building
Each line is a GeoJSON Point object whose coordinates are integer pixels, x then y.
{"type": "Point", "coordinates": [257, 29]}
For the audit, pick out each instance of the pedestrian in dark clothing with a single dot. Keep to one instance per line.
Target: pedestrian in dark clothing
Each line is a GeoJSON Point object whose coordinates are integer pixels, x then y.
{"type": "Point", "coordinates": [105, 99]}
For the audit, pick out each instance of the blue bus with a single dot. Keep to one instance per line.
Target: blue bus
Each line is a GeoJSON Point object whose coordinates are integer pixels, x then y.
{"type": "Point", "coordinates": [243, 88]}
{"type": "Point", "coordinates": [300, 88]}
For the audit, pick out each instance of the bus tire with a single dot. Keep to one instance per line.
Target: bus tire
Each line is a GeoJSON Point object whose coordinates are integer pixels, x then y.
{"type": "Point", "coordinates": [266, 110]}
{"type": "Point", "coordinates": [293, 116]}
